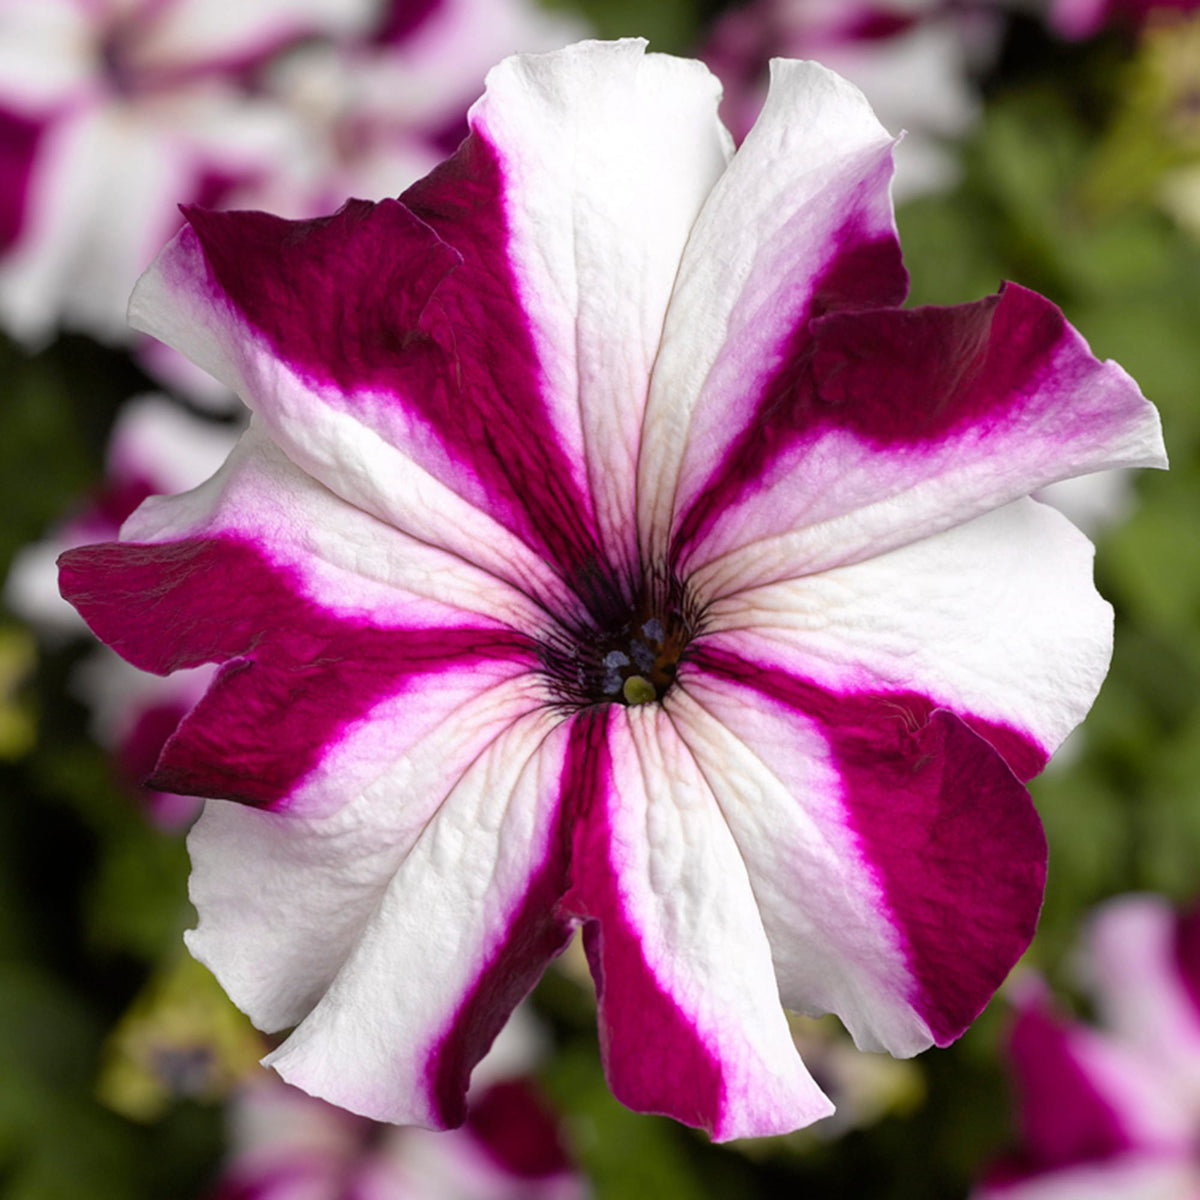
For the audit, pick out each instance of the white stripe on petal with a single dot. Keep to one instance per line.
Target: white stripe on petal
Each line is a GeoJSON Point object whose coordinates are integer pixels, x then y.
{"type": "Point", "coordinates": [834, 945]}
{"type": "Point", "coordinates": [766, 233]}
{"type": "Point", "coordinates": [997, 618]}
{"type": "Point", "coordinates": [609, 154]}
{"type": "Point", "coordinates": [446, 909]}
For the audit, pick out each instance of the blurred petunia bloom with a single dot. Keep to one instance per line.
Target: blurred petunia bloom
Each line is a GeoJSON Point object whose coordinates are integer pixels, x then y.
{"type": "Point", "coordinates": [607, 548]}
{"type": "Point", "coordinates": [376, 113]}
{"type": "Point", "coordinates": [111, 113]}
{"type": "Point", "coordinates": [289, 1145]}
{"type": "Point", "coordinates": [1111, 1113]}
{"type": "Point", "coordinates": [155, 448]}
{"type": "Point", "coordinates": [1078, 19]}
{"type": "Point", "coordinates": [916, 60]}
{"type": "Point", "coordinates": [285, 1144]}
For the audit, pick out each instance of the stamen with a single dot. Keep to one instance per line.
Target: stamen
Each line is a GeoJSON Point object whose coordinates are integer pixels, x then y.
{"type": "Point", "coordinates": [634, 654]}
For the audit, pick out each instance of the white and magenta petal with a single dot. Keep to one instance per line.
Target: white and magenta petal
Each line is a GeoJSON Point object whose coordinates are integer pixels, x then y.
{"type": "Point", "coordinates": [333, 357]}
{"type": "Point", "coordinates": [327, 624]}
{"type": "Point", "coordinates": [902, 422]}
{"type": "Point", "coordinates": [453, 340]}
{"type": "Point", "coordinates": [1092, 1117]}
{"type": "Point", "coordinates": [996, 620]}
{"type": "Point", "coordinates": [284, 897]}
{"type": "Point", "coordinates": [896, 861]}
{"type": "Point", "coordinates": [594, 264]}
{"type": "Point", "coordinates": [799, 225]}
{"type": "Point", "coordinates": [1084, 1096]}
{"type": "Point", "coordinates": [462, 928]}
{"type": "Point", "coordinates": [690, 1020]}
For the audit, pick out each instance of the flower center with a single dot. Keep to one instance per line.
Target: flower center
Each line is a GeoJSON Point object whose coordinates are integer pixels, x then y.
{"type": "Point", "coordinates": [631, 658]}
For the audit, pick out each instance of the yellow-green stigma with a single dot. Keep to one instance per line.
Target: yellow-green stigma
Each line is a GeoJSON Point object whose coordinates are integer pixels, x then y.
{"type": "Point", "coordinates": [629, 651]}
{"type": "Point", "coordinates": [638, 690]}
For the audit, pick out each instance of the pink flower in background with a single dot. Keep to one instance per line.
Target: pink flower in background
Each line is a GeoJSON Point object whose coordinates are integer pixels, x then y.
{"type": "Point", "coordinates": [133, 713]}
{"type": "Point", "coordinates": [155, 448]}
{"type": "Point", "coordinates": [1112, 1113]}
{"type": "Point", "coordinates": [1078, 19]}
{"type": "Point", "coordinates": [288, 1145]}
{"type": "Point", "coordinates": [608, 549]}
{"type": "Point", "coordinates": [285, 1145]}
{"type": "Point", "coordinates": [914, 59]}
{"type": "Point", "coordinates": [112, 112]}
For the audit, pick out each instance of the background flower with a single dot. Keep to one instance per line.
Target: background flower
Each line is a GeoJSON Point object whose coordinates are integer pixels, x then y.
{"type": "Point", "coordinates": [917, 62]}
{"type": "Point", "coordinates": [1113, 1111]}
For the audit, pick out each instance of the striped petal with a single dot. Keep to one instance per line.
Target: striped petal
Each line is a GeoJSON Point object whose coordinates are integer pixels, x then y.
{"type": "Point", "coordinates": [442, 914]}
{"type": "Point", "coordinates": [896, 861]}
{"type": "Point", "coordinates": [901, 423]}
{"type": "Point", "coordinates": [1084, 1096]}
{"type": "Point", "coordinates": [799, 420]}
{"type": "Point", "coordinates": [1093, 1117]}
{"type": "Point", "coordinates": [339, 651]}
{"type": "Point", "coordinates": [799, 225]}
{"type": "Point", "coordinates": [996, 620]}
{"type": "Point", "coordinates": [483, 345]}
{"type": "Point", "coordinates": [690, 1020]}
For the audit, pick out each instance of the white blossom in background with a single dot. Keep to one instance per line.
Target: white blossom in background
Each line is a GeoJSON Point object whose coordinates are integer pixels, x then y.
{"type": "Point", "coordinates": [915, 61]}
{"type": "Point", "coordinates": [155, 447]}
{"type": "Point", "coordinates": [112, 113]}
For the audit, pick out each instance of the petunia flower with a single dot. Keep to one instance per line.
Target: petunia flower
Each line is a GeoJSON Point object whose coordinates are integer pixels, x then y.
{"type": "Point", "coordinates": [288, 1145]}
{"type": "Point", "coordinates": [608, 549]}
{"type": "Point", "coordinates": [111, 113]}
{"type": "Point", "coordinates": [1079, 19]}
{"type": "Point", "coordinates": [285, 1144]}
{"type": "Point", "coordinates": [1111, 1113]}
{"type": "Point", "coordinates": [155, 448]}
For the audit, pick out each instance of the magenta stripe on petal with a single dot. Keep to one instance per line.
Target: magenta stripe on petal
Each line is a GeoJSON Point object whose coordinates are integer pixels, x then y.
{"type": "Point", "coordinates": [297, 675]}
{"type": "Point", "coordinates": [1064, 1120]}
{"type": "Point", "coordinates": [410, 310]}
{"type": "Point", "coordinates": [536, 933]}
{"type": "Point", "coordinates": [908, 377]}
{"type": "Point", "coordinates": [1185, 950]}
{"type": "Point", "coordinates": [19, 139]}
{"type": "Point", "coordinates": [866, 271]}
{"type": "Point", "coordinates": [955, 843]}
{"type": "Point", "coordinates": [402, 19]}
{"type": "Point", "coordinates": [518, 1130]}
{"type": "Point", "coordinates": [654, 1058]}
{"type": "Point", "coordinates": [500, 412]}
{"type": "Point", "coordinates": [905, 376]}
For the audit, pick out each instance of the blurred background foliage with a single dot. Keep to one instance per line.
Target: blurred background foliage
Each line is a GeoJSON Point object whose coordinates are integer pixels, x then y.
{"type": "Point", "coordinates": [1074, 182]}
